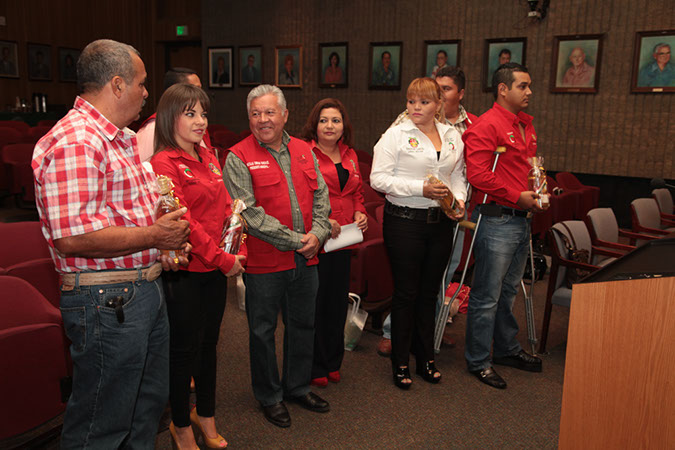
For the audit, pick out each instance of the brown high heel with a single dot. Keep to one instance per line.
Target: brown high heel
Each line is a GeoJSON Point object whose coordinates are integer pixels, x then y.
{"type": "Point", "coordinates": [217, 442]}
{"type": "Point", "coordinates": [174, 438]}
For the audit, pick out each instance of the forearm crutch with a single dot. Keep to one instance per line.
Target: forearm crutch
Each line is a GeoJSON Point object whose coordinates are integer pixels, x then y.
{"type": "Point", "coordinates": [442, 317]}
{"type": "Point", "coordinates": [529, 310]}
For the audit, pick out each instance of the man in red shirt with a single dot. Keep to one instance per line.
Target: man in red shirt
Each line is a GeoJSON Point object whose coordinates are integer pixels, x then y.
{"type": "Point", "coordinates": [502, 239]}
{"type": "Point", "coordinates": [97, 214]}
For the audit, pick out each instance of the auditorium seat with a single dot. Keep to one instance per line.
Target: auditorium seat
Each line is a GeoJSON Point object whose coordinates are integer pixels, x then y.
{"type": "Point", "coordinates": [244, 134]}
{"type": "Point", "coordinates": [646, 217]}
{"type": "Point", "coordinates": [370, 194]}
{"type": "Point", "coordinates": [558, 292]}
{"type": "Point", "coordinates": [37, 132]}
{"type": "Point", "coordinates": [664, 200]}
{"type": "Point", "coordinates": [21, 127]}
{"type": "Point", "coordinates": [364, 156]}
{"type": "Point", "coordinates": [565, 205]}
{"type": "Point", "coordinates": [605, 231]}
{"type": "Point", "coordinates": [370, 274]}
{"type": "Point", "coordinates": [364, 169]}
{"type": "Point", "coordinates": [213, 127]}
{"type": "Point", "coordinates": [16, 159]}
{"type": "Point", "coordinates": [21, 241]}
{"type": "Point", "coordinates": [7, 136]}
{"type": "Point", "coordinates": [41, 274]}
{"type": "Point", "coordinates": [47, 123]}
{"type": "Point", "coordinates": [224, 139]}
{"type": "Point", "coordinates": [590, 195]}
{"type": "Point", "coordinates": [35, 368]}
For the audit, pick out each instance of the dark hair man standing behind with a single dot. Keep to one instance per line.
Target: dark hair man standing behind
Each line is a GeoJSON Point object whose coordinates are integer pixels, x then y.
{"type": "Point", "coordinates": [98, 218]}
{"type": "Point", "coordinates": [502, 239]}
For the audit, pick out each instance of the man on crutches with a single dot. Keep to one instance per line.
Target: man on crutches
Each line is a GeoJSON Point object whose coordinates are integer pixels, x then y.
{"type": "Point", "coordinates": [502, 238]}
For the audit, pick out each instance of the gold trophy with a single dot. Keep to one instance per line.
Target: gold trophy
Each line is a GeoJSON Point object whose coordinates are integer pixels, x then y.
{"type": "Point", "coordinates": [233, 231]}
{"type": "Point", "coordinates": [536, 180]}
{"type": "Point", "coordinates": [167, 203]}
{"type": "Point", "coordinates": [448, 204]}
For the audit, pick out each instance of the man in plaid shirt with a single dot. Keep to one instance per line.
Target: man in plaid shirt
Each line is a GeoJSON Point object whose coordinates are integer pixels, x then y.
{"type": "Point", "coordinates": [97, 214]}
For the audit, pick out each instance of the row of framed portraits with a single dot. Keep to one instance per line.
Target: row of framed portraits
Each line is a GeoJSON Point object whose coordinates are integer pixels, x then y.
{"type": "Point", "coordinates": [40, 64]}
{"type": "Point", "coordinates": [575, 67]}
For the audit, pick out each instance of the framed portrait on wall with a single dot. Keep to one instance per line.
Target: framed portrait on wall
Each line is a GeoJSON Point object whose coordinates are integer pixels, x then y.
{"type": "Point", "coordinates": [288, 66]}
{"type": "Point", "coordinates": [653, 66]}
{"type": "Point", "coordinates": [576, 63]}
{"type": "Point", "coordinates": [498, 52]}
{"type": "Point", "coordinates": [385, 65]}
{"type": "Point", "coordinates": [39, 62]}
{"type": "Point", "coordinates": [9, 60]}
{"type": "Point", "coordinates": [438, 54]}
{"type": "Point", "coordinates": [220, 68]}
{"type": "Point", "coordinates": [333, 65]}
{"type": "Point", "coordinates": [68, 64]}
{"type": "Point", "coordinates": [251, 65]}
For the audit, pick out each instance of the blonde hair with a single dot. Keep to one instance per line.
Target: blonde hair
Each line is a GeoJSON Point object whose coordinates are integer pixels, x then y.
{"type": "Point", "coordinates": [427, 88]}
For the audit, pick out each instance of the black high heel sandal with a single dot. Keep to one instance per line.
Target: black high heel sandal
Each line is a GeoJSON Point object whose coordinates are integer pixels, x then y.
{"type": "Point", "coordinates": [401, 374]}
{"type": "Point", "coordinates": [428, 371]}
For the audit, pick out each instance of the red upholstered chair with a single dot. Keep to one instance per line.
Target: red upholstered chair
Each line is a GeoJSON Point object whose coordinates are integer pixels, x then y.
{"type": "Point", "coordinates": [364, 168]}
{"type": "Point", "coordinates": [47, 123]}
{"type": "Point", "coordinates": [34, 363]}
{"type": "Point", "coordinates": [21, 127]}
{"type": "Point", "coordinates": [20, 242]}
{"type": "Point", "coordinates": [646, 217]}
{"type": "Point", "coordinates": [244, 134]}
{"type": "Point", "coordinates": [364, 156]}
{"type": "Point", "coordinates": [370, 194]}
{"type": "Point", "coordinates": [370, 275]}
{"type": "Point", "coordinates": [7, 136]}
{"type": "Point", "coordinates": [213, 127]}
{"type": "Point", "coordinates": [16, 159]}
{"type": "Point", "coordinates": [42, 275]}
{"type": "Point", "coordinates": [37, 132]}
{"type": "Point", "coordinates": [565, 205]}
{"type": "Point", "coordinates": [224, 139]}
{"type": "Point", "coordinates": [590, 195]}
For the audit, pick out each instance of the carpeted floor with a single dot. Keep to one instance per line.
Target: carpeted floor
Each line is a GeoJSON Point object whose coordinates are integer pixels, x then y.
{"type": "Point", "coordinates": [368, 411]}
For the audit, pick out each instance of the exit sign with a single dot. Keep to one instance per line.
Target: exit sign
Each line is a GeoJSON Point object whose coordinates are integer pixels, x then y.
{"type": "Point", "coordinates": [181, 30]}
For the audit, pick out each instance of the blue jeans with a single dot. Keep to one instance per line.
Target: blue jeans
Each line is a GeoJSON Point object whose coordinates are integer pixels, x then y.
{"type": "Point", "coordinates": [454, 263]}
{"type": "Point", "coordinates": [294, 293]}
{"type": "Point", "coordinates": [500, 250]}
{"type": "Point", "coordinates": [120, 370]}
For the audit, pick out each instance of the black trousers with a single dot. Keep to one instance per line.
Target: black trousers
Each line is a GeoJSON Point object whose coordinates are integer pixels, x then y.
{"type": "Point", "coordinates": [418, 253]}
{"type": "Point", "coordinates": [195, 303]}
{"type": "Point", "coordinates": [331, 312]}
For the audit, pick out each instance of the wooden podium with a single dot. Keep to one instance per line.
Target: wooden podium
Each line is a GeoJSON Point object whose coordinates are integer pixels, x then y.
{"type": "Point", "coordinates": [619, 386]}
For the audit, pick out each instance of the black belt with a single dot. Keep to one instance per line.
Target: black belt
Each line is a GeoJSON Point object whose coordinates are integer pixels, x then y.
{"type": "Point", "coordinates": [495, 210]}
{"type": "Point", "coordinates": [428, 215]}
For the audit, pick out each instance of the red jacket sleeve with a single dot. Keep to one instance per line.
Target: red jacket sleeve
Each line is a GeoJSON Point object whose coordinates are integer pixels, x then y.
{"type": "Point", "coordinates": [480, 143]}
{"type": "Point", "coordinates": [358, 193]}
{"type": "Point", "coordinates": [203, 246]}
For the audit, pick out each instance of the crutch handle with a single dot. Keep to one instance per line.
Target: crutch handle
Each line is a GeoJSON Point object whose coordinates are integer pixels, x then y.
{"type": "Point", "coordinates": [467, 224]}
{"type": "Point", "coordinates": [500, 149]}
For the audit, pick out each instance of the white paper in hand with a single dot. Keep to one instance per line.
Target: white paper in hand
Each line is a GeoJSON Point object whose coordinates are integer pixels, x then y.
{"type": "Point", "coordinates": [349, 235]}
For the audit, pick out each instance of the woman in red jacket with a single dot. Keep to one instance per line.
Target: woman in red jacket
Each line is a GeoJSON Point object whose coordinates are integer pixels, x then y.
{"type": "Point", "coordinates": [330, 133]}
{"type": "Point", "coordinates": [195, 296]}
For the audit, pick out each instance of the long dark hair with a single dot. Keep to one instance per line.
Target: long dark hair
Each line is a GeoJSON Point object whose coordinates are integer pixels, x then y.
{"type": "Point", "coordinates": [309, 130]}
{"type": "Point", "coordinates": [174, 101]}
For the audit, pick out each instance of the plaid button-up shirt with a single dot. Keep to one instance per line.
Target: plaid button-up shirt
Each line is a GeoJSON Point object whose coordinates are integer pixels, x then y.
{"type": "Point", "coordinates": [88, 176]}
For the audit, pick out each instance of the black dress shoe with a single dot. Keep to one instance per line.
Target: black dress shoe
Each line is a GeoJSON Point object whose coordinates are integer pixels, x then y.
{"type": "Point", "coordinates": [521, 360]}
{"type": "Point", "coordinates": [312, 402]}
{"type": "Point", "coordinates": [490, 377]}
{"type": "Point", "coordinates": [277, 414]}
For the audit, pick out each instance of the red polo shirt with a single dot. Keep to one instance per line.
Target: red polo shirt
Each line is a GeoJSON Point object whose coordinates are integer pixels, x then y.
{"type": "Point", "coordinates": [199, 186]}
{"type": "Point", "coordinates": [499, 127]}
